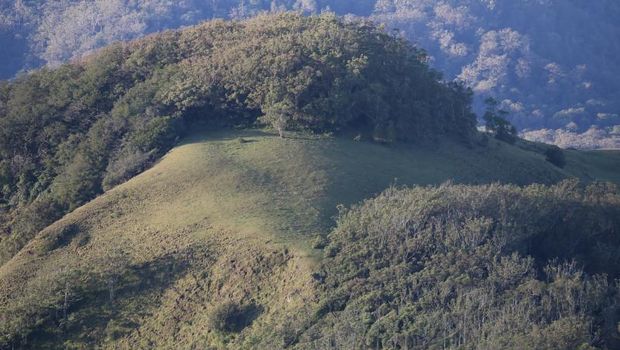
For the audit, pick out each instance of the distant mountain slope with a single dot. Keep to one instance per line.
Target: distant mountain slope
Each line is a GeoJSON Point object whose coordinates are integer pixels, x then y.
{"type": "Point", "coordinates": [551, 63]}
{"type": "Point", "coordinates": [226, 216]}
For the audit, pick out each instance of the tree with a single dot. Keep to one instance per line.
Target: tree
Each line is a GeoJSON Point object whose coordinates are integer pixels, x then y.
{"type": "Point", "coordinates": [496, 122]}
{"type": "Point", "coordinates": [67, 285]}
{"type": "Point", "coordinates": [483, 275]}
{"type": "Point", "coordinates": [555, 156]}
{"type": "Point", "coordinates": [112, 267]}
{"type": "Point", "coordinates": [278, 116]}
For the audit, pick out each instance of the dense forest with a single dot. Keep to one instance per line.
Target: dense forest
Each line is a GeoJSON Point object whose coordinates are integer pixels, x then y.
{"type": "Point", "coordinates": [550, 63]}
{"type": "Point", "coordinates": [67, 134]}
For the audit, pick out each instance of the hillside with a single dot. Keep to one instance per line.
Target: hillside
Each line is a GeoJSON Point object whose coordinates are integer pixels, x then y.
{"type": "Point", "coordinates": [551, 63]}
{"type": "Point", "coordinates": [67, 134]}
{"type": "Point", "coordinates": [290, 181]}
{"type": "Point", "coordinates": [475, 267]}
{"type": "Point", "coordinates": [224, 216]}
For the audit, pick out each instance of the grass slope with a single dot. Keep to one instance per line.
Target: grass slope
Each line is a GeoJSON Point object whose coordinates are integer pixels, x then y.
{"type": "Point", "coordinates": [255, 181]}
{"type": "Point", "coordinates": [603, 165]}
{"type": "Point", "coordinates": [224, 216]}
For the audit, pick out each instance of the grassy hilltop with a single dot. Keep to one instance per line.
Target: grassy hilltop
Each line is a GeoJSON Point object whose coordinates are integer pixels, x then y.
{"type": "Point", "coordinates": [68, 134]}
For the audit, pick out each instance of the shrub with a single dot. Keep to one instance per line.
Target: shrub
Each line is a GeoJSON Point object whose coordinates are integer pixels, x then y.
{"type": "Point", "coordinates": [320, 242]}
{"type": "Point", "coordinates": [555, 156]}
{"type": "Point", "coordinates": [497, 124]}
{"type": "Point", "coordinates": [128, 163]}
{"type": "Point", "coordinates": [231, 317]}
{"type": "Point", "coordinates": [27, 222]}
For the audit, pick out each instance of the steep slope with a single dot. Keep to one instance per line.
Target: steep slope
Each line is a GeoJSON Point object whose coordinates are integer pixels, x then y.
{"type": "Point", "coordinates": [225, 216]}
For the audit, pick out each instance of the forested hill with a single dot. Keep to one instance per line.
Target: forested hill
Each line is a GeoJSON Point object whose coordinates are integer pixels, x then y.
{"type": "Point", "coordinates": [551, 63]}
{"type": "Point", "coordinates": [258, 134]}
{"type": "Point", "coordinates": [67, 134]}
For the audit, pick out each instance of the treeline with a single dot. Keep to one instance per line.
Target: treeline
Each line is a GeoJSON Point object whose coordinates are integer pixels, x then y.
{"type": "Point", "coordinates": [35, 33]}
{"type": "Point", "coordinates": [550, 63]}
{"type": "Point", "coordinates": [68, 134]}
{"type": "Point", "coordinates": [473, 267]}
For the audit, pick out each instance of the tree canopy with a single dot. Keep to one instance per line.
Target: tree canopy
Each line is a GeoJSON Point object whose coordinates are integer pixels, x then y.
{"type": "Point", "coordinates": [473, 267]}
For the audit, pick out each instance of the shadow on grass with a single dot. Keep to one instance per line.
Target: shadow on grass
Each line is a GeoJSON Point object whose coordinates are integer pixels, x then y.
{"type": "Point", "coordinates": [247, 135]}
{"type": "Point", "coordinates": [94, 317]}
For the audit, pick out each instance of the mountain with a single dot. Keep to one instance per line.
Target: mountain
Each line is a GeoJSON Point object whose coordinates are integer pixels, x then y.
{"type": "Point", "coordinates": [550, 63]}
{"type": "Point", "coordinates": [290, 181]}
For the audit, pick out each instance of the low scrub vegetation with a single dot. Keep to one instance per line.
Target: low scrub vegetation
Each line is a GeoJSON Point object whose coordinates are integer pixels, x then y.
{"type": "Point", "coordinates": [484, 267]}
{"type": "Point", "coordinates": [451, 266]}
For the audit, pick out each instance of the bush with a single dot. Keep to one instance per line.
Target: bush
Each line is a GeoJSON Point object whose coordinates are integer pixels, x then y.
{"type": "Point", "coordinates": [128, 163]}
{"type": "Point", "coordinates": [27, 222]}
{"type": "Point", "coordinates": [320, 242]}
{"type": "Point", "coordinates": [231, 317]}
{"type": "Point", "coordinates": [497, 123]}
{"type": "Point", "coordinates": [555, 156]}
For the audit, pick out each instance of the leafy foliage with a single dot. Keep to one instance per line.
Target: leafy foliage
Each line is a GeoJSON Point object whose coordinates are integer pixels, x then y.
{"type": "Point", "coordinates": [474, 267]}
{"type": "Point", "coordinates": [497, 124]}
{"type": "Point", "coordinates": [550, 63]}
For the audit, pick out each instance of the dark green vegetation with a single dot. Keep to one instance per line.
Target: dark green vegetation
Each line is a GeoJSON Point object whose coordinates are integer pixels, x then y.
{"type": "Point", "coordinates": [551, 63]}
{"type": "Point", "coordinates": [497, 124]}
{"type": "Point", "coordinates": [67, 134]}
{"type": "Point", "coordinates": [209, 248]}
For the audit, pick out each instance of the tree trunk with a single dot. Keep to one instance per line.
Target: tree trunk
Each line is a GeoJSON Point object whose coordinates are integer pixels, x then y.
{"type": "Point", "coordinates": [111, 290]}
{"type": "Point", "coordinates": [65, 306]}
